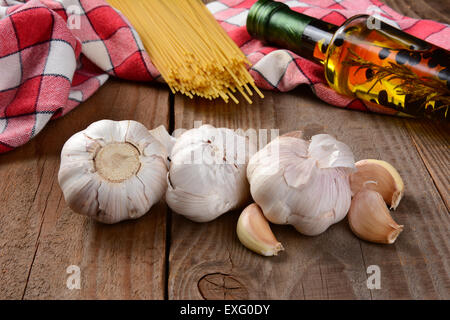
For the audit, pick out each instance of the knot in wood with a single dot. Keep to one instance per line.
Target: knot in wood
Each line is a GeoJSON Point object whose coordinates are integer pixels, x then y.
{"type": "Point", "coordinates": [220, 286]}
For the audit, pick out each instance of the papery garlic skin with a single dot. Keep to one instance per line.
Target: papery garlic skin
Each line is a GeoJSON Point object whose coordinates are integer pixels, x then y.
{"type": "Point", "coordinates": [205, 178]}
{"type": "Point", "coordinates": [113, 171]}
{"type": "Point", "coordinates": [160, 133]}
{"type": "Point", "coordinates": [301, 183]}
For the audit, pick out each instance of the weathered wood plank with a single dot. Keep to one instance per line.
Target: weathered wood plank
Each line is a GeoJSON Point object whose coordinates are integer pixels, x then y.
{"type": "Point", "coordinates": [332, 265]}
{"type": "Point", "coordinates": [426, 9]}
{"type": "Point", "coordinates": [19, 223]}
{"type": "Point", "coordinates": [41, 237]}
{"type": "Point", "coordinates": [432, 141]}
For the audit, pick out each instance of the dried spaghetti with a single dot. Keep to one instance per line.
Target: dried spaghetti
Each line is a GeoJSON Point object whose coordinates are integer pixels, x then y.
{"type": "Point", "coordinates": [191, 50]}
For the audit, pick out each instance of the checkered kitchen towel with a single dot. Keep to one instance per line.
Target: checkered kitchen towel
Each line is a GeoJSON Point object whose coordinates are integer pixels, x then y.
{"type": "Point", "coordinates": [54, 54]}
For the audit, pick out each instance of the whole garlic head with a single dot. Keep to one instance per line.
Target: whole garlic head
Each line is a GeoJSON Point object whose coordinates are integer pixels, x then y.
{"type": "Point", "coordinates": [305, 184]}
{"type": "Point", "coordinates": [113, 171]}
{"type": "Point", "coordinates": [207, 175]}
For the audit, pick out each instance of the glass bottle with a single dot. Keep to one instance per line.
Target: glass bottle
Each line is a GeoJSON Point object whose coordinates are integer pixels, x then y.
{"type": "Point", "coordinates": [364, 58]}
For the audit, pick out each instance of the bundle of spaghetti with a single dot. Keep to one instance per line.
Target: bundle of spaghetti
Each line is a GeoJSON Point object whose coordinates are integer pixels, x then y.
{"type": "Point", "coordinates": [194, 55]}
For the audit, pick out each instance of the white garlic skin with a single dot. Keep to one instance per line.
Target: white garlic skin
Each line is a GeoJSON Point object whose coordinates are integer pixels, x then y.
{"type": "Point", "coordinates": [202, 189]}
{"type": "Point", "coordinates": [89, 193]}
{"type": "Point", "coordinates": [301, 183]}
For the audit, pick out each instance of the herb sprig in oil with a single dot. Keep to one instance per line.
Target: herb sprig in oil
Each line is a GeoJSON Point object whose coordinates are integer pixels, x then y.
{"type": "Point", "coordinates": [418, 88]}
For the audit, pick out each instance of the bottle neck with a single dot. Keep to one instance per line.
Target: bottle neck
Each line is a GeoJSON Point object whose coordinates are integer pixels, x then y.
{"type": "Point", "coordinates": [276, 23]}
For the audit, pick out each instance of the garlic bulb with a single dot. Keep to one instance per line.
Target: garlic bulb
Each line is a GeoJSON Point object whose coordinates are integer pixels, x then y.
{"type": "Point", "coordinates": [207, 175]}
{"type": "Point", "coordinates": [305, 184]}
{"type": "Point", "coordinates": [113, 171]}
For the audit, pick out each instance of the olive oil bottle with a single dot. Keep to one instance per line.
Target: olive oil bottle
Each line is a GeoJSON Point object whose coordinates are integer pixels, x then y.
{"type": "Point", "coordinates": [364, 58]}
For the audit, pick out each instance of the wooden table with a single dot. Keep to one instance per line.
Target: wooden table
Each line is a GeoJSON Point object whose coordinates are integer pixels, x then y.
{"type": "Point", "coordinates": [164, 256]}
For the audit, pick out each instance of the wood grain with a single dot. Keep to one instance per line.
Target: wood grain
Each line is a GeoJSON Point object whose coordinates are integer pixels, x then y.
{"type": "Point", "coordinates": [432, 141]}
{"type": "Point", "coordinates": [332, 265]}
{"type": "Point", "coordinates": [437, 10]}
{"type": "Point", "coordinates": [41, 237]}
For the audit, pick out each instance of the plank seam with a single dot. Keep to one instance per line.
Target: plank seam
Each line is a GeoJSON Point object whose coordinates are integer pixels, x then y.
{"type": "Point", "coordinates": [40, 227]}
{"type": "Point", "coordinates": [168, 211]}
{"type": "Point", "coordinates": [365, 266]}
{"type": "Point", "coordinates": [37, 242]}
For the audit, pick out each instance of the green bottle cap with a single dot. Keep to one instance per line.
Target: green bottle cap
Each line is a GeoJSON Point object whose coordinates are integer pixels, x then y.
{"type": "Point", "coordinates": [259, 17]}
{"type": "Point", "coordinates": [276, 23]}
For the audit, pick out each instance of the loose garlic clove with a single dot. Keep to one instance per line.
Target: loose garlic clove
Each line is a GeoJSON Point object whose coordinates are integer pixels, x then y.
{"type": "Point", "coordinates": [113, 171]}
{"type": "Point", "coordinates": [381, 177]}
{"type": "Point", "coordinates": [370, 220]}
{"type": "Point", "coordinates": [254, 232]}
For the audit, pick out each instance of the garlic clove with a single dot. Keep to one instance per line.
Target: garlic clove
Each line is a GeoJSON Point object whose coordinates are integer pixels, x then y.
{"type": "Point", "coordinates": [381, 177]}
{"type": "Point", "coordinates": [254, 232]}
{"type": "Point", "coordinates": [370, 220]}
{"type": "Point", "coordinates": [154, 183]}
{"type": "Point", "coordinates": [80, 186]}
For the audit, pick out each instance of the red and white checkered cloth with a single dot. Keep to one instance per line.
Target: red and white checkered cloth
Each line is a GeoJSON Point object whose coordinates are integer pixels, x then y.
{"type": "Point", "coordinates": [49, 64]}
